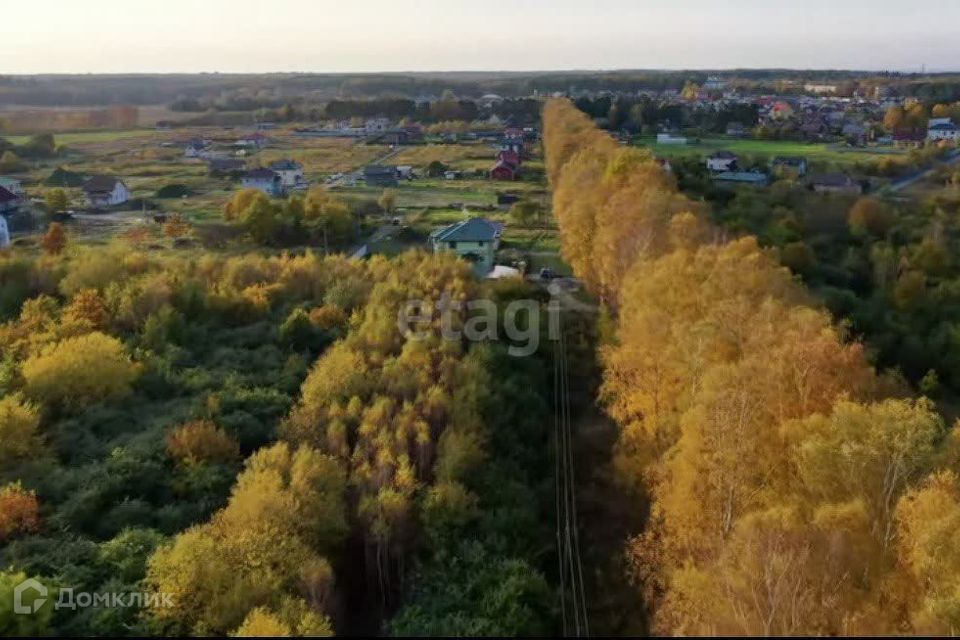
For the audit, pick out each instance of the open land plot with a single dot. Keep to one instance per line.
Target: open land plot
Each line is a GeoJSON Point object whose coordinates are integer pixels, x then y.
{"type": "Point", "coordinates": [814, 152]}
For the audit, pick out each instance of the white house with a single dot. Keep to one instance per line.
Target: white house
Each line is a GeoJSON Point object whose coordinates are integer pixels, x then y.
{"type": "Point", "coordinates": [291, 174]}
{"type": "Point", "coordinates": [943, 131]}
{"type": "Point", "coordinates": [722, 161]}
{"type": "Point", "coordinates": [4, 233]}
{"type": "Point", "coordinates": [376, 125]}
{"type": "Point", "coordinates": [105, 191]}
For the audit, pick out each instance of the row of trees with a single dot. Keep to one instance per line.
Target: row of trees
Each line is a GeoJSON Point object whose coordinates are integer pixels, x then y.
{"type": "Point", "coordinates": [792, 488]}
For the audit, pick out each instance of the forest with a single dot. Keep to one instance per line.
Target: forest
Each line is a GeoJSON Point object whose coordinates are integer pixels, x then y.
{"type": "Point", "coordinates": [262, 445]}
{"type": "Point", "coordinates": [790, 486]}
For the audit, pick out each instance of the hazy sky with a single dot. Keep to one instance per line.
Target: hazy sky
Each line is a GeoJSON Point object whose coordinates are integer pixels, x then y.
{"type": "Point", "coordinates": [398, 35]}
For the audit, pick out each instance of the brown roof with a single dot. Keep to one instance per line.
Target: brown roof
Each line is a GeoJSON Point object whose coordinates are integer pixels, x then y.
{"type": "Point", "coordinates": [97, 184]}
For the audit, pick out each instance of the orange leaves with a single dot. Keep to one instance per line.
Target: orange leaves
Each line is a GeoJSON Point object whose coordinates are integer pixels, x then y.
{"type": "Point", "coordinates": [201, 441]}
{"type": "Point", "coordinates": [19, 511]}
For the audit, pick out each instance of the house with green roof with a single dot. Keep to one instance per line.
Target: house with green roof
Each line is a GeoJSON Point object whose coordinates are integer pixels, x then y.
{"type": "Point", "coordinates": [475, 240]}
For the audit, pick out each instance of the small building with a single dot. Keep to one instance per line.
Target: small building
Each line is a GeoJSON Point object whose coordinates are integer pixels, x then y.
{"type": "Point", "coordinates": [376, 175]}
{"type": "Point", "coordinates": [908, 139]}
{"type": "Point", "coordinates": [12, 185]}
{"type": "Point", "coordinates": [835, 183]}
{"type": "Point", "coordinates": [747, 178]}
{"type": "Point", "coordinates": [105, 191]}
{"type": "Point", "coordinates": [291, 174]}
{"type": "Point", "coordinates": [509, 156]}
{"type": "Point", "coordinates": [722, 161]}
{"type": "Point", "coordinates": [265, 180]}
{"type": "Point", "coordinates": [9, 201]}
{"type": "Point", "coordinates": [253, 141]}
{"type": "Point", "coordinates": [475, 240]}
{"type": "Point", "coordinates": [224, 165]}
{"type": "Point", "coordinates": [943, 131]}
{"type": "Point", "coordinates": [504, 170]}
{"type": "Point", "coordinates": [789, 165]}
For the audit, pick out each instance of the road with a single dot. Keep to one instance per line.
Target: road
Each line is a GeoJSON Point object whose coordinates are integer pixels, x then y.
{"type": "Point", "coordinates": [898, 185]}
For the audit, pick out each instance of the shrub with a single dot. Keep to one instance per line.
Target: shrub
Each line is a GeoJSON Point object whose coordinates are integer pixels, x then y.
{"type": "Point", "coordinates": [201, 441]}
{"type": "Point", "coordinates": [80, 371]}
{"type": "Point", "coordinates": [19, 511]}
{"type": "Point", "coordinates": [19, 422]}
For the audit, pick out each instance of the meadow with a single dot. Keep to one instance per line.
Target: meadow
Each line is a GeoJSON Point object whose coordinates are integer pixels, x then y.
{"type": "Point", "coordinates": [814, 152]}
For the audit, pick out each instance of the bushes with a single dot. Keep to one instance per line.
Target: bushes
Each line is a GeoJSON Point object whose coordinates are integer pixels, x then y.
{"type": "Point", "coordinates": [19, 425]}
{"type": "Point", "coordinates": [80, 371]}
{"type": "Point", "coordinates": [199, 442]}
{"type": "Point", "coordinates": [19, 511]}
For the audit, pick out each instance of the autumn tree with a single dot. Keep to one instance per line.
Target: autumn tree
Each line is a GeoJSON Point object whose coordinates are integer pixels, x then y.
{"type": "Point", "coordinates": [56, 200]}
{"type": "Point", "coordinates": [201, 441]}
{"type": "Point", "coordinates": [19, 511]}
{"type": "Point", "coordinates": [387, 201]}
{"type": "Point", "coordinates": [54, 241]}
{"type": "Point", "coordinates": [60, 374]}
{"type": "Point", "coordinates": [870, 216]}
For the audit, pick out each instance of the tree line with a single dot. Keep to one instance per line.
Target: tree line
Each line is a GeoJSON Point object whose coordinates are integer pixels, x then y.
{"type": "Point", "coordinates": [792, 488]}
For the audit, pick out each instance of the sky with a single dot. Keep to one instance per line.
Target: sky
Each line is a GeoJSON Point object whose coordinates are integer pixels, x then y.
{"type": "Point", "coordinates": [146, 36]}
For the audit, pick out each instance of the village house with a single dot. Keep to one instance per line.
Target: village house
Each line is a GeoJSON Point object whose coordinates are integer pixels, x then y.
{"type": "Point", "coordinates": [105, 191]}
{"type": "Point", "coordinates": [943, 131]}
{"type": "Point", "coordinates": [376, 175]}
{"type": "Point", "coordinates": [504, 170]}
{"type": "Point", "coordinates": [9, 201]}
{"type": "Point", "coordinates": [265, 180]}
{"type": "Point", "coordinates": [475, 240]}
{"type": "Point", "coordinates": [722, 161]}
{"type": "Point", "coordinates": [291, 174]}
{"type": "Point", "coordinates": [224, 165]}
{"type": "Point", "coordinates": [12, 185]}
{"type": "Point", "coordinates": [835, 183]}
{"type": "Point", "coordinates": [908, 139]}
{"type": "Point", "coordinates": [253, 141]}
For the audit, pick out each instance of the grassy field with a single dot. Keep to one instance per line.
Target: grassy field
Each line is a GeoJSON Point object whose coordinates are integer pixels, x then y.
{"type": "Point", "coordinates": [813, 152]}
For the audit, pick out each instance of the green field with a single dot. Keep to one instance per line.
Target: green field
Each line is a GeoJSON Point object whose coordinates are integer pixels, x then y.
{"type": "Point", "coordinates": [813, 152]}
{"type": "Point", "coordinates": [89, 136]}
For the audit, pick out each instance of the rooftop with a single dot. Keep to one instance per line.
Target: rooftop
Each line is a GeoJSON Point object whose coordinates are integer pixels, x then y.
{"type": "Point", "coordinates": [472, 230]}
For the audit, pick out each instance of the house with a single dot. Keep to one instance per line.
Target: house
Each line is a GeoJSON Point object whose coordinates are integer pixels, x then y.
{"type": "Point", "coordinates": [943, 131]}
{"type": "Point", "coordinates": [195, 149]}
{"type": "Point", "coordinates": [908, 139]}
{"type": "Point", "coordinates": [475, 240]}
{"type": "Point", "coordinates": [253, 141]}
{"type": "Point", "coordinates": [722, 161]}
{"type": "Point", "coordinates": [376, 125]}
{"type": "Point", "coordinates": [4, 233]}
{"type": "Point", "coordinates": [748, 178]}
{"type": "Point", "coordinates": [12, 185]}
{"type": "Point", "coordinates": [509, 156]}
{"type": "Point", "coordinates": [224, 165]}
{"type": "Point", "coordinates": [504, 170]}
{"type": "Point", "coordinates": [9, 201]}
{"type": "Point", "coordinates": [789, 165]}
{"type": "Point", "coordinates": [265, 180]}
{"type": "Point", "coordinates": [376, 175]}
{"type": "Point", "coordinates": [105, 191]}
{"type": "Point", "coordinates": [835, 183]}
{"type": "Point", "coordinates": [291, 174]}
